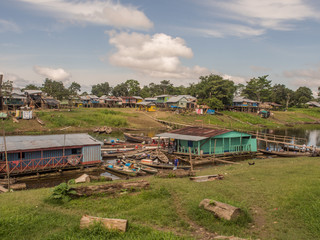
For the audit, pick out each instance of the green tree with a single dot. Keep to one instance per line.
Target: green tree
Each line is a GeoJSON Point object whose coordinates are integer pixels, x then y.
{"type": "Point", "coordinates": [212, 88]}
{"type": "Point", "coordinates": [120, 90]}
{"type": "Point", "coordinates": [55, 89]}
{"type": "Point", "coordinates": [302, 95]}
{"type": "Point", "coordinates": [101, 89]}
{"type": "Point", "coordinates": [258, 89]}
{"type": "Point", "coordinates": [282, 95]}
{"type": "Point", "coordinates": [31, 87]}
{"type": "Point", "coordinates": [133, 87]}
{"type": "Point", "coordinates": [74, 88]}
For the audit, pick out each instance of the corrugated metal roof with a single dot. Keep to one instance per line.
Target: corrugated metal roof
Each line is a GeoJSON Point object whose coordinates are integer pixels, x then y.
{"type": "Point", "coordinates": [181, 136]}
{"type": "Point", "coordinates": [194, 133]}
{"type": "Point", "coordinates": [176, 99]}
{"type": "Point", "coordinates": [17, 143]}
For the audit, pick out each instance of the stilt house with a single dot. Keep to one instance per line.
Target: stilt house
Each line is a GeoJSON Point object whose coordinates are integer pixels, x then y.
{"type": "Point", "coordinates": [27, 154]}
{"type": "Point", "coordinates": [210, 141]}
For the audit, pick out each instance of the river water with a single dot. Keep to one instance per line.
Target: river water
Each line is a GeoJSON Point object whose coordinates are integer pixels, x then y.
{"type": "Point", "coordinates": [310, 134]}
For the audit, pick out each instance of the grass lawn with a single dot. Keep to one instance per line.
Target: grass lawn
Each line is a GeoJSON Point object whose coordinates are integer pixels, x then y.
{"type": "Point", "coordinates": [280, 199]}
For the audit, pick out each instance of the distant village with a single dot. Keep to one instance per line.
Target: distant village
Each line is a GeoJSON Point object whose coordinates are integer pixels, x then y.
{"type": "Point", "coordinates": [12, 98]}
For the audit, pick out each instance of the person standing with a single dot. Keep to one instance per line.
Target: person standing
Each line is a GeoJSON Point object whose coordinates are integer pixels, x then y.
{"type": "Point", "coordinates": [176, 163]}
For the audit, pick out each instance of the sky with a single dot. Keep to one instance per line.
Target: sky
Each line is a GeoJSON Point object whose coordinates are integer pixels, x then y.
{"type": "Point", "coordinates": [96, 41]}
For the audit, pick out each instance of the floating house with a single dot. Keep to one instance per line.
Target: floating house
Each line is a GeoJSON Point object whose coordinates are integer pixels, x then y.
{"type": "Point", "coordinates": [30, 154]}
{"type": "Point", "coordinates": [210, 141]}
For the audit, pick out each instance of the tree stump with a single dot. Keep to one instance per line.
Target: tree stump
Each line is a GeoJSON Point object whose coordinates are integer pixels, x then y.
{"type": "Point", "coordinates": [109, 223]}
{"type": "Point", "coordinates": [82, 179]}
{"type": "Point", "coordinates": [221, 210]}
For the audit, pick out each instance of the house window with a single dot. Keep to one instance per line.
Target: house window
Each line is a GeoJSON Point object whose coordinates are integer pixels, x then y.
{"type": "Point", "coordinates": [73, 151]}
{"type": "Point", "coordinates": [23, 155]}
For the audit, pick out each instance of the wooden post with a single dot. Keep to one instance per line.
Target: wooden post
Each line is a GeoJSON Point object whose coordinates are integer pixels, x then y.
{"type": "Point", "coordinates": [6, 155]}
{"type": "Point", "coordinates": [190, 157]}
{"type": "Point", "coordinates": [214, 149]}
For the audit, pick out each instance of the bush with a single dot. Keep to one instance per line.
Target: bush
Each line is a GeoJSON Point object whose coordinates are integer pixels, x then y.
{"type": "Point", "coordinates": [62, 192]}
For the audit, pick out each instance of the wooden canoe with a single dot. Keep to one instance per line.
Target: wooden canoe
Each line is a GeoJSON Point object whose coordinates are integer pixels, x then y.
{"type": "Point", "coordinates": [164, 166]}
{"type": "Point", "coordinates": [136, 138]}
{"type": "Point", "coordinates": [286, 154]}
{"type": "Point", "coordinates": [121, 170]}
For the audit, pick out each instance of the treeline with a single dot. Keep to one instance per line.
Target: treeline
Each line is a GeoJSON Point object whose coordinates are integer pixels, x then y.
{"type": "Point", "coordinates": [212, 90]}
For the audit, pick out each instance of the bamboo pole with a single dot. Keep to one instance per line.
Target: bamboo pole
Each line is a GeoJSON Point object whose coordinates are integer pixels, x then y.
{"type": "Point", "coordinates": [6, 155]}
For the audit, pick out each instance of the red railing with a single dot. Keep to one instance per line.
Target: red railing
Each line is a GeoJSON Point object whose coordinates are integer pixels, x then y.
{"type": "Point", "coordinates": [30, 165]}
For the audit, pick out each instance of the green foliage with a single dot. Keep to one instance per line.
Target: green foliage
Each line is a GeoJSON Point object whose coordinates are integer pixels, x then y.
{"type": "Point", "coordinates": [215, 88]}
{"type": "Point", "coordinates": [31, 87]}
{"type": "Point", "coordinates": [258, 89]}
{"type": "Point", "coordinates": [302, 95]}
{"type": "Point", "coordinates": [55, 89]}
{"type": "Point", "coordinates": [62, 193]}
{"type": "Point", "coordinates": [133, 87]}
{"type": "Point", "coordinates": [101, 89]}
{"type": "Point", "coordinates": [74, 88]}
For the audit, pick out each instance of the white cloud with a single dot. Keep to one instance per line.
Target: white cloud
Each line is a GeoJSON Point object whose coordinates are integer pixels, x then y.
{"type": "Point", "coordinates": [305, 77]}
{"type": "Point", "coordinates": [256, 17]}
{"type": "Point", "coordinates": [235, 79]}
{"type": "Point", "coordinates": [57, 74]}
{"type": "Point", "coordinates": [157, 55]}
{"type": "Point", "coordinates": [95, 12]}
{"type": "Point", "coordinates": [7, 26]}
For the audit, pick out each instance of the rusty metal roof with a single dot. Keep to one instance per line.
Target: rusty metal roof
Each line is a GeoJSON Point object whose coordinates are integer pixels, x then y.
{"type": "Point", "coordinates": [193, 133]}
{"type": "Point", "coordinates": [200, 132]}
{"type": "Point", "coordinates": [16, 143]}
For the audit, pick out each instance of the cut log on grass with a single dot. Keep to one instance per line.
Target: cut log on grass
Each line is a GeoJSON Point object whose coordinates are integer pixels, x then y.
{"type": "Point", "coordinates": [221, 210]}
{"type": "Point", "coordinates": [18, 186]}
{"type": "Point", "coordinates": [111, 188]}
{"type": "Point", "coordinates": [3, 189]}
{"type": "Point", "coordinates": [99, 178]}
{"type": "Point", "coordinates": [82, 179]}
{"type": "Point", "coordinates": [207, 178]}
{"type": "Point", "coordinates": [109, 223]}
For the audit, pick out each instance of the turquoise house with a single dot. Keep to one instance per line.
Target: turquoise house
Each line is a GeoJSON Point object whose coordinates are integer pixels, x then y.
{"type": "Point", "coordinates": [210, 141]}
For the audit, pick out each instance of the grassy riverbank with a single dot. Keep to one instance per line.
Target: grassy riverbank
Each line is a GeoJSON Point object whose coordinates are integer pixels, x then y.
{"type": "Point", "coordinates": [280, 198]}
{"type": "Point", "coordinates": [86, 119]}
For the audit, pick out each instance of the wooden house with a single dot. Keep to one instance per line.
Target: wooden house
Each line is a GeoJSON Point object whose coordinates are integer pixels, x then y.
{"type": "Point", "coordinates": [162, 100]}
{"type": "Point", "coordinates": [34, 98]}
{"type": "Point", "coordinates": [210, 141]}
{"type": "Point", "coordinates": [15, 100]}
{"type": "Point", "coordinates": [245, 105]}
{"type": "Point", "coordinates": [313, 104]}
{"type": "Point", "coordinates": [151, 99]}
{"type": "Point", "coordinates": [177, 102]}
{"type": "Point", "coordinates": [90, 101]}
{"type": "Point", "coordinates": [146, 106]}
{"type": "Point", "coordinates": [28, 154]}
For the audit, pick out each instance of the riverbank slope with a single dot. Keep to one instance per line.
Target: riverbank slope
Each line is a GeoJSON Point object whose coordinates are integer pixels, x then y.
{"type": "Point", "coordinates": [123, 119]}
{"type": "Point", "coordinates": [280, 198]}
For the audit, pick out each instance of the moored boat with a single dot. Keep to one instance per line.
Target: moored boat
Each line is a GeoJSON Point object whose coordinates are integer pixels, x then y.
{"type": "Point", "coordinates": [124, 170]}
{"type": "Point", "coordinates": [286, 153]}
{"type": "Point", "coordinates": [136, 138]}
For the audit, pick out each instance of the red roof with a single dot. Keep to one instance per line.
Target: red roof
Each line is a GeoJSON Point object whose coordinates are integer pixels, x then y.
{"type": "Point", "coordinates": [199, 131]}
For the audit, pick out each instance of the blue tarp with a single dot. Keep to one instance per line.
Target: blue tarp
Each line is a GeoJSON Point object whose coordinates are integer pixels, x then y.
{"type": "Point", "coordinates": [211, 111]}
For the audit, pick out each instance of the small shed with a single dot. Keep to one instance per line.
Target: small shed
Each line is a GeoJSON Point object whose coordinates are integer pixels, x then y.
{"type": "Point", "coordinates": [210, 141]}
{"type": "Point", "coordinates": [146, 106]}
{"type": "Point", "coordinates": [48, 152]}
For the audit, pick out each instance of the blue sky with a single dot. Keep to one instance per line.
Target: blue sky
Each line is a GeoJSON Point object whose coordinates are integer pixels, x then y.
{"type": "Point", "coordinates": [93, 41]}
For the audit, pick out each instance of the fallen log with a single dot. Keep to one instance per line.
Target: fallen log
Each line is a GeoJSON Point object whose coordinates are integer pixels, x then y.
{"type": "Point", "coordinates": [110, 188]}
{"type": "Point", "coordinates": [175, 173]}
{"type": "Point", "coordinates": [5, 181]}
{"type": "Point", "coordinates": [207, 178]}
{"type": "Point", "coordinates": [221, 210]}
{"type": "Point", "coordinates": [3, 189]}
{"type": "Point", "coordinates": [18, 186]}
{"type": "Point", "coordinates": [109, 223]}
